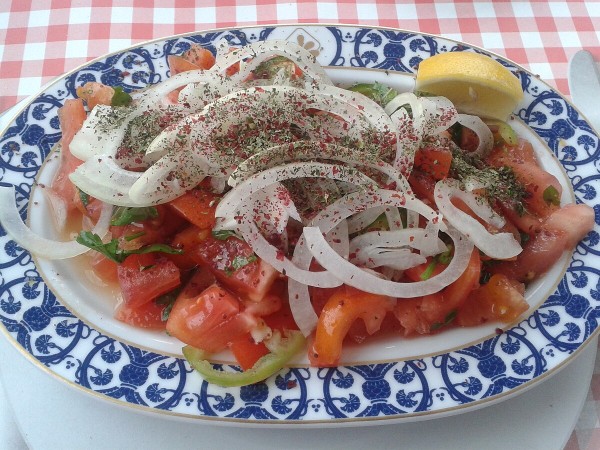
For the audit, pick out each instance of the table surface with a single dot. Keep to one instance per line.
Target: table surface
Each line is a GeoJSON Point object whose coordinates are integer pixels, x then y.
{"type": "Point", "coordinates": [40, 40]}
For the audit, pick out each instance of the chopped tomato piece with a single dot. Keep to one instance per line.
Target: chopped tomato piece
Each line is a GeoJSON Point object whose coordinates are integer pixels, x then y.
{"type": "Point", "coordinates": [339, 313]}
{"type": "Point", "coordinates": [186, 240]}
{"type": "Point", "coordinates": [95, 93]}
{"type": "Point", "coordinates": [422, 185]}
{"type": "Point", "coordinates": [434, 161]}
{"type": "Point", "coordinates": [247, 352]}
{"type": "Point", "coordinates": [432, 312]}
{"type": "Point", "coordinates": [269, 304]}
{"type": "Point", "coordinates": [233, 262]}
{"type": "Point", "coordinates": [468, 139]}
{"type": "Point", "coordinates": [498, 299]}
{"type": "Point", "coordinates": [178, 64]}
{"type": "Point", "coordinates": [282, 319]}
{"type": "Point", "coordinates": [200, 56]}
{"type": "Point", "coordinates": [150, 231]}
{"type": "Point", "coordinates": [144, 277]}
{"type": "Point", "coordinates": [104, 268]}
{"type": "Point", "coordinates": [559, 232]}
{"type": "Point", "coordinates": [196, 58]}
{"type": "Point", "coordinates": [428, 269]}
{"type": "Point", "coordinates": [148, 315]}
{"type": "Point", "coordinates": [197, 206]}
{"type": "Point", "coordinates": [525, 221]}
{"type": "Point", "coordinates": [542, 188]}
{"type": "Point", "coordinates": [63, 191]}
{"type": "Point", "coordinates": [210, 320]}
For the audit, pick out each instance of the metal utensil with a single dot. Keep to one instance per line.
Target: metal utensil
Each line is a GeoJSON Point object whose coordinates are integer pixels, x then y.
{"type": "Point", "coordinates": [584, 82]}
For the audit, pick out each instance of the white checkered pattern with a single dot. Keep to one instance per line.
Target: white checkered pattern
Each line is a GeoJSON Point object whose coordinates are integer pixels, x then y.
{"type": "Point", "coordinates": [40, 40]}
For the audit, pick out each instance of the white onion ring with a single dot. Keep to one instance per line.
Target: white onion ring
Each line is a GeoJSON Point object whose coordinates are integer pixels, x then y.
{"type": "Point", "coordinates": [497, 246]}
{"type": "Point", "coordinates": [104, 179]}
{"type": "Point", "coordinates": [360, 279]}
{"type": "Point", "coordinates": [478, 126]}
{"type": "Point", "coordinates": [33, 242]}
{"type": "Point", "coordinates": [235, 197]}
{"type": "Point", "coordinates": [261, 51]}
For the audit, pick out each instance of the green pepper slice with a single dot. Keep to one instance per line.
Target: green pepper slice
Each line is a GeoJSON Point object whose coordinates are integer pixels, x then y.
{"type": "Point", "coordinates": [266, 366]}
{"type": "Point", "coordinates": [505, 131]}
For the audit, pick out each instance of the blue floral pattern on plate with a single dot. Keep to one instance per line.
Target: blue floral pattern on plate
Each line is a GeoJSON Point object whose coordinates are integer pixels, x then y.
{"type": "Point", "coordinates": [34, 319]}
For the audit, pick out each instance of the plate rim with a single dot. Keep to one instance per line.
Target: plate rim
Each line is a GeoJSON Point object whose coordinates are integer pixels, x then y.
{"type": "Point", "coordinates": [403, 417]}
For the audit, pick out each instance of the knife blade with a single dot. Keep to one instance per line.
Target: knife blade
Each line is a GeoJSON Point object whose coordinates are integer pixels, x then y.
{"type": "Point", "coordinates": [584, 83]}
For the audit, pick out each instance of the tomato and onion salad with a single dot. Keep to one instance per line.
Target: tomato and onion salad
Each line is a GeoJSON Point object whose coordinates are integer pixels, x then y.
{"type": "Point", "coordinates": [248, 204]}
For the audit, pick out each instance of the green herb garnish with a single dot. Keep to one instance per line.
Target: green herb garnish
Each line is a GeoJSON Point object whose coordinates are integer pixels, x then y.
{"type": "Point", "coordinates": [426, 275]}
{"type": "Point", "coordinates": [125, 215]}
{"type": "Point", "coordinates": [380, 93]}
{"type": "Point", "coordinates": [239, 261]}
{"type": "Point", "coordinates": [167, 300]}
{"type": "Point", "coordinates": [85, 198]}
{"type": "Point", "coordinates": [120, 97]}
{"type": "Point", "coordinates": [500, 183]}
{"type": "Point", "coordinates": [222, 235]}
{"type": "Point", "coordinates": [442, 258]}
{"type": "Point", "coordinates": [112, 250]}
{"type": "Point", "coordinates": [447, 321]}
{"type": "Point", "coordinates": [551, 196]}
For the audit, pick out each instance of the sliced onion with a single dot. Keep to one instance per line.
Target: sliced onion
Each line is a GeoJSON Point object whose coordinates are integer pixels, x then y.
{"type": "Point", "coordinates": [298, 293]}
{"type": "Point", "coordinates": [102, 133]}
{"type": "Point", "coordinates": [408, 237]}
{"type": "Point", "coordinates": [273, 206]}
{"type": "Point", "coordinates": [395, 258]}
{"type": "Point", "coordinates": [374, 113]}
{"type": "Point", "coordinates": [33, 242]}
{"type": "Point", "coordinates": [439, 114]}
{"type": "Point", "coordinates": [154, 95]}
{"type": "Point", "coordinates": [227, 206]}
{"type": "Point", "coordinates": [59, 208]}
{"type": "Point", "coordinates": [104, 179]}
{"type": "Point", "coordinates": [170, 177]}
{"type": "Point", "coordinates": [478, 126]}
{"type": "Point", "coordinates": [275, 257]}
{"type": "Point", "coordinates": [261, 51]}
{"type": "Point", "coordinates": [363, 219]}
{"type": "Point", "coordinates": [361, 279]}
{"type": "Point", "coordinates": [497, 246]}
{"type": "Point", "coordinates": [308, 150]}
{"type": "Point", "coordinates": [338, 239]}
{"type": "Point", "coordinates": [360, 201]}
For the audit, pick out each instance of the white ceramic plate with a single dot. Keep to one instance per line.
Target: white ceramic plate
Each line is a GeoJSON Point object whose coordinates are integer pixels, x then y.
{"type": "Point", "coordinates": [61, 319]}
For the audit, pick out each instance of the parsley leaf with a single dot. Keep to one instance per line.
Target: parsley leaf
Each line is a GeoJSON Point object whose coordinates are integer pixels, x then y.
{"type": "Point", "coordinates": [239, 261]}
{"type": "Point", "coordinates": [112, 250]}
{"type": "Point", "coordinates": [222, 235]}
{"type": "Point", "coordinates": [120, 97]}
{"type": "Point", "coordinates": [124, 215]}
{"type": "Point", "coordinates": [85, 198]}
{"type": "Point", "coordinates": [551, 196]}
{"type": "Point", "coordinates": [167, 300]}
{"type": "Point", "coordinates": [447, 321]}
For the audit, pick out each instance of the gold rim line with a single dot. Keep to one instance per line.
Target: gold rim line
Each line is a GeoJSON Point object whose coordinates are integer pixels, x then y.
{"type": "Point", "coordinates": [56, 80]}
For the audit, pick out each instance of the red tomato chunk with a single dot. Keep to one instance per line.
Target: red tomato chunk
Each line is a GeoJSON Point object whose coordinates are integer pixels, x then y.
{"type": "Point", "coordinates": [145, 277]}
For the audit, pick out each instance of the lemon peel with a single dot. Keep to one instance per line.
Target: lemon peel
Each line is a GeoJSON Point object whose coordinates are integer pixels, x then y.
{"type": "Point", "coordinates": [475, 83]}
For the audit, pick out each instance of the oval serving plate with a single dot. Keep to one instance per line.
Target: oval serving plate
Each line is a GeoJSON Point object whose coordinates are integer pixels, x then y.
{"type": "Point", "coordinates": [58, 319]}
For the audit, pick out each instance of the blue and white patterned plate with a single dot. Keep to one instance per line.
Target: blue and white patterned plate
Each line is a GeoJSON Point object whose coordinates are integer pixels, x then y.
{"type": "Point", "coordinates": [62, 321]}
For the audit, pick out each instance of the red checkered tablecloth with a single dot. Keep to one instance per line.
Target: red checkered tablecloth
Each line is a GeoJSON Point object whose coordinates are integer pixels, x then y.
{"type": "Point", "coordinates": [41, 39]}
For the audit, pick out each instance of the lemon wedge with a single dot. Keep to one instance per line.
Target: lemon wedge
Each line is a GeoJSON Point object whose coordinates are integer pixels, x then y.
{"type": "Point", "coordinates": [475, 83]}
